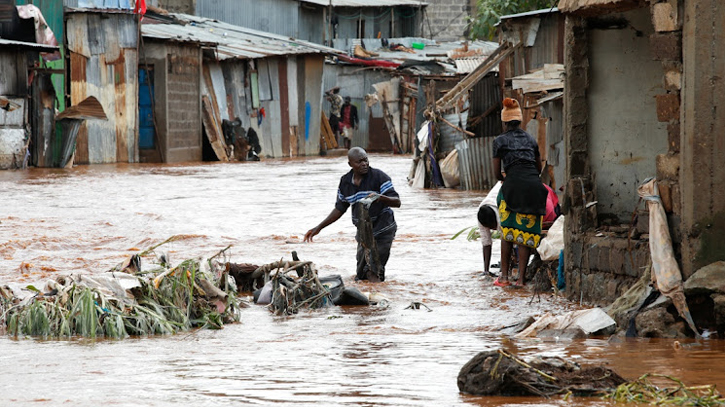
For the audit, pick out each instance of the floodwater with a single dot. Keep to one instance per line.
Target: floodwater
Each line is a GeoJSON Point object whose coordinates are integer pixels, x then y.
{"type": "Point", "coordinates": [88, 219]}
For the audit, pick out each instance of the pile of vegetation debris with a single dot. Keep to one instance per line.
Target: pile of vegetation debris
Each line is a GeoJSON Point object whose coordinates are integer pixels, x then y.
{"type": "Point", "coordinates": [499, 373]}
{"type": "Point", "coordinates": [126, 301]}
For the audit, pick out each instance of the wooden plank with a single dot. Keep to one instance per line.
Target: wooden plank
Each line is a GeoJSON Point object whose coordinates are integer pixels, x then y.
{"type": "Point", "coordinates": [293, 141]}
{"type": "Point", "coordinates": [462, 87]}
{"type": "Point", "coordinates": [213, 131]}
{"type": "Point", "coordinates": [390, 124]}
{"type": "Point", "coordinates": [214, 107]}
{"type": "Point", "coordinates": [326, 131]}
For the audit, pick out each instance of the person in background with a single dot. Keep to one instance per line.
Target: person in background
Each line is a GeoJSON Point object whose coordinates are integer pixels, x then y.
{"type": "Point", "coordinates": [488, 221]}
{"type": "Point", "coordinates": [522, 198]}
{"type": "Point", "coordinates": [348, 122]}
{"type": "Point", "coordinates": [365, 182]}
{"type": "Point", "coordinates": [333, 95]}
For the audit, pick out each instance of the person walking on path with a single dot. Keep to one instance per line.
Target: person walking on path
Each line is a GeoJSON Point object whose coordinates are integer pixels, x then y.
{"type": "Point", "coordinates": [522, 198]}
{"type": "Point", "coordinates": [333, 95]}
{"type": "Point", "coordinates": [364, 185]}
{"type": "Point", "coordinates": [348, 122]}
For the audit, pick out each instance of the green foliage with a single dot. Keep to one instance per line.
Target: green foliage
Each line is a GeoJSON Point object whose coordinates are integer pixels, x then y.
{"type": "Point", "coordinates": [490, 11]}
{"type": "Point", "coordinates": [644, 391]}
{"type": "Point", "coordinates": [474, 234]}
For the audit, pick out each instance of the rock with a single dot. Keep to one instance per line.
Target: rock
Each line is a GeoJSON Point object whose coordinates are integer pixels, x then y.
{"type": "Point", "coordinates": [518, 327]}
{"type": "Point", "coordinates": [719, 309]}
{"type": "Point", "coordinates": [707, 280]}
{"type": "Point", "coordinates": [659, 323]}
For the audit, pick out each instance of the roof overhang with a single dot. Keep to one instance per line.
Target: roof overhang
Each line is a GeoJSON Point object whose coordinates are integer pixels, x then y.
{"type": "Point", "coordinates": [598, 7]}
{"type": "Point", "coordinates": [32, 46]}
{"type": "Point", "coordinates": [366, 3]}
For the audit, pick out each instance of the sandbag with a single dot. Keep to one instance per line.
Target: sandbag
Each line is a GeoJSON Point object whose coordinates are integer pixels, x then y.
{"type": "Point", "coordinates": [449, 170]}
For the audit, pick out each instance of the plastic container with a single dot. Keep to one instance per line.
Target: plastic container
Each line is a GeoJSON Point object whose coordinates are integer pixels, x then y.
{"type": "Point", "coordinates": [417, 45]}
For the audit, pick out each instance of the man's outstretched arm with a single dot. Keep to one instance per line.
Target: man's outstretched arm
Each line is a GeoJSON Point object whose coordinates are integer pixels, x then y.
{"type": "Point", "coordinates": [330, 219]}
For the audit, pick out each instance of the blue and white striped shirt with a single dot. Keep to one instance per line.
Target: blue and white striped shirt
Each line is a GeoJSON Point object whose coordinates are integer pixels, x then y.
{"type": "Point", "coordinates": [375, 181]}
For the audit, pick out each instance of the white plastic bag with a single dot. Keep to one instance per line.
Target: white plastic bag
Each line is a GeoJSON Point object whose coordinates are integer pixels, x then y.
{"type": "Point", "coordinates": [449, 170]}
{"type": "Point", "coordinates": [553, 243]}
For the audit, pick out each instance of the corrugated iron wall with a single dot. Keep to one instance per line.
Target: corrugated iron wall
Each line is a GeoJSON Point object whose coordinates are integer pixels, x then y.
{"type": "Point", "coordinates": [485, 95]}
{"type": "Point", "coordinates": [475, 156]}
{"type": "Point", "coordinates": [279, 16]}
{"type": "Point", "coordinates": [548, 47]}
{"type": "Point", "coordinates": [104, 64]}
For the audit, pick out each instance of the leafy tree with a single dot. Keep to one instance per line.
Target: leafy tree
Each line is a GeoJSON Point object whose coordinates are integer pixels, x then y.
{"type": "Point", "coordinates": [490, 11]}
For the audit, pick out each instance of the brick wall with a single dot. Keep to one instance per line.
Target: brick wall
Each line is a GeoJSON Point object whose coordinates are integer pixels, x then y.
{"type": "Point", "coordinates": [183, 95]}
{"type": "Point", "coordinates": [447, 20]}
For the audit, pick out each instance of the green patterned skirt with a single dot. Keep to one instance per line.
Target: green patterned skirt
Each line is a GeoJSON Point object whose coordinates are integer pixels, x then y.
{"type": "Point", "coordinates": [519, 228]}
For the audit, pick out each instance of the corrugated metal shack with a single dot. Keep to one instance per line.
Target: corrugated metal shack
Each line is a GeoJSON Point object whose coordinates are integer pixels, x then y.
{"type": "Point", "coordinates": [442, 63]}
{"type": "Point", "coordinates": [321, 21]}
{"type": "Point", "coordinates": [17, 110]}
{"type": "Point", "coordinates": [533, 74]}
{"type": "Point", "coordinates": [272, 83]}
{"type": "Point", "coordinates": [103, 62]}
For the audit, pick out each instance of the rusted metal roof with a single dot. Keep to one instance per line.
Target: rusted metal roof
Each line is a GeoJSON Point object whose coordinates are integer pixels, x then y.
{"type": "Point", "coordinates": [89, 108]}
{"type": "Point", "coordinates": [366, 3]}
{"type": "Point", "coordinates": [597, 6]}
{"type": "Point", "coordinates": [27, 45]}
{"type": "Point", "coordinates": [231, 41]}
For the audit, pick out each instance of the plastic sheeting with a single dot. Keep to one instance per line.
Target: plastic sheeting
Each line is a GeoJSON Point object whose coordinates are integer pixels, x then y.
{"type": "Point", "coordinates": [43, 33]}
{"type": "Point", "coordinates": [665, 271]}
{"type": "Point", "coordinates": [553, 243]}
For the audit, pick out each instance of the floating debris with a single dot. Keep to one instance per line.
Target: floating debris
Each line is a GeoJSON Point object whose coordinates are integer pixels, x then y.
{"type": "Point", "coordinates": [643, 390]}
{"type": "Point", "coordinates": [126, 301]}
{"type": "Point", "coordinates": [500, 373]}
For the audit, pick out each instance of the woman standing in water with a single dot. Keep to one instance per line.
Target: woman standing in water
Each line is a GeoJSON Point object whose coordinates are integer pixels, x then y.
{"type": "Point", "coordinates": [522, 198]}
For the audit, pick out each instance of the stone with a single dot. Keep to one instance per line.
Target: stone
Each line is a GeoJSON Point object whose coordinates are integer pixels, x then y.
{"type": "Point", "coordinates": [668, 166]}
{"type": "Point", "coordinates": [668, 107]}
{"type": "Point", "coordinates": [673, 79]}
{"type": "Point", "coordinates": [665, 196]}
{"type": "Point", "coordinates": [658, 323]}
{"type": "Point", "coordinates": [707, 280]}
{"type": "Point", "coordinates": [673, 136]}
{"type": "Point", "coordinates": [666, 46]}
{"type": "Point", "coordinates": [719, 309]}
{"type": "Point", "coordinates": [664, 17]}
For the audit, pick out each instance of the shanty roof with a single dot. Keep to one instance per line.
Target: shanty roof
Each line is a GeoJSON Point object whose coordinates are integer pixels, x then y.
{"type": "Point", "coordinates": [534, 13]}
{"type": "Point", "coordinates": [451, 58]}
{"type": "Point", "coordinates": [585, 6]}
{"type": "Point", "coordinates": [366, 3]}
{"type": "Point", "coordinates": [27, 45]}
{"type": "Point", "coordinates": [231, 41]}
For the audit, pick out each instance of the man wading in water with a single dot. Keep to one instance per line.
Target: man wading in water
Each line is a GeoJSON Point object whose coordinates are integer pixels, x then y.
{"type": "Point", "coordinates": [372, 188]}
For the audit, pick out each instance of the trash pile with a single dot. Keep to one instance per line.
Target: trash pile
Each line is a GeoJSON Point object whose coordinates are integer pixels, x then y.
{"type": "Point", "coordinates": [286, 293]}
{"type": "Point", "coordinates": [124, 302]}
{"type": "Point", "coordinates": [197, 293]}
{"type": "Point", "coordinates": [499, 373]}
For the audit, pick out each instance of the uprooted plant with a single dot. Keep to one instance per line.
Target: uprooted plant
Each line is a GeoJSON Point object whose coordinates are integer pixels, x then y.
{"type": "Point", "coordinates": [127, 302]}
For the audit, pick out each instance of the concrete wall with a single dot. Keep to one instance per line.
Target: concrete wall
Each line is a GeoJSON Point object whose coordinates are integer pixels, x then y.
{"type": "Point", "coordinates": [177, 101]}
{"type": "Point", "coordinates": [183, 102]}
{"type": "Point", "coordinates": [702, 144]}
{"type": "Point", "coordinates": [447, 20]}
{"type": "Point", "coordinates": [624, 135]}
{"type": "Point", "coordinates": [178, 6]}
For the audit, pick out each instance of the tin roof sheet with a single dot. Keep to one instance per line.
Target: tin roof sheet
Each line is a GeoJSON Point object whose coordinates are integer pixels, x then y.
{"type": "Point", "coordinates": [366, 3]}
{"type": "Point", "coordinates": [27, 45]}
{"type": "Point", "coordinates": [230, 40]}
{"type": "Point", "coordinates": [533, 13]}
{"type": "Point", "coordinates": [572, 6]}
{"type": "Point", "coordinates": [456, 57]}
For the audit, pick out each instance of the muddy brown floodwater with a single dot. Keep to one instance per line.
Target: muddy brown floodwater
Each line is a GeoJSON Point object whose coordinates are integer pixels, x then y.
{"type": "Point", "coordinates": [87, 219]}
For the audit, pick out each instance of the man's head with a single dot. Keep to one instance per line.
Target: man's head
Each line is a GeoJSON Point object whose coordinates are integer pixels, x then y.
{"type": "Point", "coordinates": [487, 217]}
{"type": "Point", "coordinates": [357, 158]}
{"type": "Point", "coordinates": [347, 100]}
